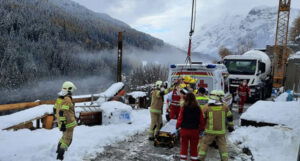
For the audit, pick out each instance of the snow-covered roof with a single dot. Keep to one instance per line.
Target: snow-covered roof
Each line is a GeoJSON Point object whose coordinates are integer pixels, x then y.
{"type": "Point", "coordinates": [110, 92]}
{"type": "Point", "coordinates": [282, 113]}
{"type": "Point", "coordinates": [295, 56]}
{"type": "Point", "coordinates": [137, 94]}
{"type": "Point", "coordinates": [25, 115]}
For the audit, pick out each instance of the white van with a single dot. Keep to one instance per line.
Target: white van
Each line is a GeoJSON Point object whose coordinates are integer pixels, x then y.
{"type": "Point", "coordinates": [209, 76]}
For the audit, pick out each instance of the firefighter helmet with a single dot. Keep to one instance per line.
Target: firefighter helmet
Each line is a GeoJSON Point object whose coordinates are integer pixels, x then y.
{"type": "Point", "coordinates": [69, 86]}
{"type": "Point", "coordinates": [158, 84]}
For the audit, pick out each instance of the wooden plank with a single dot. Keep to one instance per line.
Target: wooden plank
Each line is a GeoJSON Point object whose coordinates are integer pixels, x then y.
{"type": "Point", "coordinates": [25, 105]}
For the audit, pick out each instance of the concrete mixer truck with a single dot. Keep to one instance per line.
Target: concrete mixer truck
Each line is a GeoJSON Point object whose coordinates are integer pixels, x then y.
{"type": "Point", "coordinates": [253, 66]}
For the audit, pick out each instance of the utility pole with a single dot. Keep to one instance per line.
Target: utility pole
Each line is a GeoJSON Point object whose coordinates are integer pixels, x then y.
{"type": "Point", "coordinates": [120, 51]}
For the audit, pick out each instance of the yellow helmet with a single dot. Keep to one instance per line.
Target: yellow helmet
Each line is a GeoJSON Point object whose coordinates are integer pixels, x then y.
{"type": "Point", "coordinates": [193, 81]}
{"type": "Point", "coordinates": [69, 86]}
{"type": "Point", "coordinates": [187, 79]}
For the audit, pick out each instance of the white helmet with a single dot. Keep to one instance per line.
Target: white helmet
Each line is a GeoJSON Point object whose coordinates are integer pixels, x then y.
{"type": "Point", "coordinates": [158, 84]}
{"type": "Point", "coordinates": [68, 86]}
{"type": "Point", "coordinates": [216, 95]}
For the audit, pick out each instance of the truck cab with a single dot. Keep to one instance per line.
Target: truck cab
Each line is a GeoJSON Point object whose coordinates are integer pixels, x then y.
{"type": "Point", "coordinates": [209, 76]}
{"type": "Point", "coordinates": [253, 66]}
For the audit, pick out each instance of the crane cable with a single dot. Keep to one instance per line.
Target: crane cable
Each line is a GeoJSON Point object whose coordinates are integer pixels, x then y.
{"type": "Point", "coordinates": [188, 60]}
{"type": "Point", "coordinates": [193, 25]}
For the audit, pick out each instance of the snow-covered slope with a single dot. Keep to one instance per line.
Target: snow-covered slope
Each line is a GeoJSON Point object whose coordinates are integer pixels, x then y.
{"type": "Point", "coordinates": [256, 29]}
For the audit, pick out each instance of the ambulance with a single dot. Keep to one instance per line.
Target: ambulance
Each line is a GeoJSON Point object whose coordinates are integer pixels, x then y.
{"type": "Point", "coordinates": [209, 76]}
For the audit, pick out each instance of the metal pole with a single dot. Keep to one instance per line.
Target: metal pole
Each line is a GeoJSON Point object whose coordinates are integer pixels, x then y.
{"type": "Point", "coordinates": [120, 51]}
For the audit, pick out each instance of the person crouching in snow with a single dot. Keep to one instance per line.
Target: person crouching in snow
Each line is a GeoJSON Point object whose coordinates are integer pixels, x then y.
{"type": "Point", "coordinates": [243, 92]}
{"type": "Point", "coordinates": [192, 124]}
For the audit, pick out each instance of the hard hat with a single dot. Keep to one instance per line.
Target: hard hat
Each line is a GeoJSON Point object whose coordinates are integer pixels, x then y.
{"type": "Point", "coordinates": [214, 95]}
{"type": "Point", "coordinates": [192, 81]}
{"type": "Point", "coordinates": [69, 86]}
{"type": "Point", "coordinates": [187, 79]}
{"type": "Point", "coordinates": [220, 93]}
{"type": "Point", "coordinates": [182, 85]}
{"type": "Point", "coordinates": [158, 83]}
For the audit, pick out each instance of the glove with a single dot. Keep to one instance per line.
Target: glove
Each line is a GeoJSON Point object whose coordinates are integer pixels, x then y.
{"type": "Point", "coordinates": [230, 129]}
{"type": "Point", "coordinates": [63, 127]}
{"type": "Point", "coordinates": [201, 134]}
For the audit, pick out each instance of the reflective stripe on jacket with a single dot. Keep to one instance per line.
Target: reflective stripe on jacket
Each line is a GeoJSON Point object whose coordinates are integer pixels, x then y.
{"type": "Point", "coordinates": [217, 117]}
{"type": "Point", "coordinates": [65, 111]}
{"type": "Point", "coordinates": [202, 100]}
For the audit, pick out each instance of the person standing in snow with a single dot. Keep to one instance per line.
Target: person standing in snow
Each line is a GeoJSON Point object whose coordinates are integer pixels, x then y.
{"type": "Point", "coordinates": [243, 92]}
{"type": "Point", "coordinates": [192, 124]}
{"type": "Point", "coordinates": [216, 115]}
{"type": "Point", "coordinates": [65, 115]}
{"type": "Point", "coordinates": [156, 107]}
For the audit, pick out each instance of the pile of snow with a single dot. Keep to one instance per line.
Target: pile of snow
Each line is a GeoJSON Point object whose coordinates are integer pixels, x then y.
{"type": "Point", "coordinates": [41, 144]}
{"type": "Point", "coordinates": [137, 94]}
{"type": "Point", "coordinates": [282, 97]}
{"type": "Point", "coordinates": [267, 143]}
{"type": "Point", "coordinates": [114, 112]}
{"type": "Point", "coordinates": [25, 115]}
{"type": "Point", "coordinates": [282, 113]}
{"type": "Point", "coordinates": [110, 92]}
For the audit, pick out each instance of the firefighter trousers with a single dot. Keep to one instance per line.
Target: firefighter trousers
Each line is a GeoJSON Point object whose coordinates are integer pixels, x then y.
{"type": "Point", "coordinates": [66, 139]}
{"type": "Point", "coordinates": [156, 120]}
{"type": "Point", "coordinates": [207, 140]}
{"type": "Point", "coordinates": [189, 138]}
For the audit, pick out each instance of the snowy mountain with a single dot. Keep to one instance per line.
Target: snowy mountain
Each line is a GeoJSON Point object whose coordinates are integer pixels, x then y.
{"type": "Point", "coordinates": [255, 30]}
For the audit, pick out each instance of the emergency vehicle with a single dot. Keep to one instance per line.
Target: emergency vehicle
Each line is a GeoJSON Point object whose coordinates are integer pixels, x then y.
{"type": "Point", "coordinates": [209, 76]}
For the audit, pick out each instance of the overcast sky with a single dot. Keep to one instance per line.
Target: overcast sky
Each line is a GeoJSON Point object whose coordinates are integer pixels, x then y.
{"type": "Point", "coordinates": [170, 19]}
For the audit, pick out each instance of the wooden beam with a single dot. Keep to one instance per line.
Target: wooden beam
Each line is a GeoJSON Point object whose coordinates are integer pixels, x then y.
{"type": "Point", "coordinates": [25, 105]}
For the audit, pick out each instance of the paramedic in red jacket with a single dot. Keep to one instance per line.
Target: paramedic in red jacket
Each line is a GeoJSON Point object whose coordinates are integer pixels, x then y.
{"type": "Point", "coordinates": [174, 102]}
{"type": "Point", "coordinates": [191, 123]}
{"type": "Point", "coordinates": [243, 91]}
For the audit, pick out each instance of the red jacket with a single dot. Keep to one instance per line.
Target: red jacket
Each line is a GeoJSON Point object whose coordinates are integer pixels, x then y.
{"type": "Point", "coordinates": [181, 118]}
{"type": "Point", "coordinates": [243, 90]}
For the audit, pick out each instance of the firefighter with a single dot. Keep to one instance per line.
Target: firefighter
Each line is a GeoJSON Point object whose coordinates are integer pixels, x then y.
{"type": "Point", "coordinates": [243, 91]}
{"type": "Point", "coordinates": [65, 116]}
{"type": "Point", "coordinates": [202, 98]}
{"type": "Point", "coordinates": [216, 115]}
{"type": "Point", "coordinates": [174, 99]}
{"type": "Point", "coordinates": [192, 124]}
{"type": "Point", "coordinates": [156, 108]}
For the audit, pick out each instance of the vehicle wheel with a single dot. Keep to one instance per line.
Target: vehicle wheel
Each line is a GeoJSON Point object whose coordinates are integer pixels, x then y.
{"type": "Point", "coordinates": [261, 95]}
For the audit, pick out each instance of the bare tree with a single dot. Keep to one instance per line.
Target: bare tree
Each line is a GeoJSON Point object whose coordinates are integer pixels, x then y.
{"type": "Point", "coordinates": [223, 51]}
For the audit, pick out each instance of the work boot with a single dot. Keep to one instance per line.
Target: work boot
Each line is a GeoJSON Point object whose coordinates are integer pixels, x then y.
{"type": "Point", "coordinates": [58, 147]}
{"type": "Point", "coordinates": [60, 154]}
{"type": "Point", "coordinates": [151, 138]}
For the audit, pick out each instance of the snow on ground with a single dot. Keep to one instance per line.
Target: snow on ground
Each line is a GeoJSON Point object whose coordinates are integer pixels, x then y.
{"type": "Point", "coordinates": [41, 144]}
{"type": "Point", "coordinates": [137, 94]}
{"type": "Point", "coordinates": [25, 115]}
{"type": "Point", "coordinates": [268, 143]}
{"type": "Point", "coordinates": [282, 113]}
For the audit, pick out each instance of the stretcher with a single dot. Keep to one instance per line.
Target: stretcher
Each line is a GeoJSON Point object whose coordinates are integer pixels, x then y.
{"type": "Point", "coordinates": [167, 135]}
